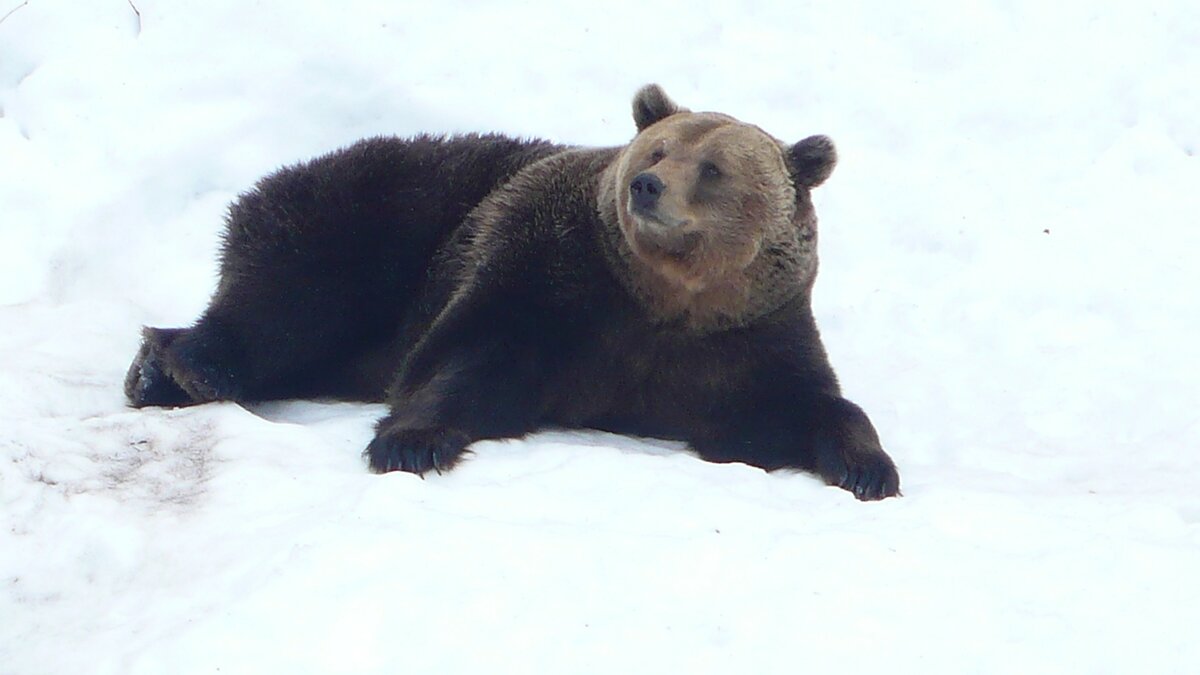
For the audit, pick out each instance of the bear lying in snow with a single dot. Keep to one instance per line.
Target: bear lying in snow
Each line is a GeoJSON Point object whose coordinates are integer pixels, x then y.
{"type": "Point", "coordinates": [487, 287]}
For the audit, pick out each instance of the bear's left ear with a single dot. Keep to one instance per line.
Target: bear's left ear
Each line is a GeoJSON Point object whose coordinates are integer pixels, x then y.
{"type": "Point", "coordinates": [813, 160]}
{"type": "Point", "coordinates": [652, 104]}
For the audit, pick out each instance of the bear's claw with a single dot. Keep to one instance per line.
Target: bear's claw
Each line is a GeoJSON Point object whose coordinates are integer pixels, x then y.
{"type": "Point", "coordinates": [869, 477]}
{"type": "Point", "coordinates": [416, 450]}
{"type": "Point", "coordinates": [871, 483]}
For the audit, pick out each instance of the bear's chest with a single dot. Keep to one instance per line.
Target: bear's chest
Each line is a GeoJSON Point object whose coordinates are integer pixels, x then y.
{"type": "Point", "coordinates": [653, 381]}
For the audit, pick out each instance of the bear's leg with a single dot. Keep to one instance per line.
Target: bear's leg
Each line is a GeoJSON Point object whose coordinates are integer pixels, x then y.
{"type": "Point", "coordinates": [848, 453]}
{"type": "Point", "coordinates": [828, 436]}
{"type": "Point", "coordinates": [474, 376]}
{"type": "Point", "coordinates": [467, 398]}
{"type": "Point", "coordinates": [275, 339]}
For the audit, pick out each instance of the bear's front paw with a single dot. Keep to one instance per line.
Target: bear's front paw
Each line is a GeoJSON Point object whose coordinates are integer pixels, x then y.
{"type": "Point", "coordinates": [416, 450]}
{"type": "Point", "coordinates": [868, 473]}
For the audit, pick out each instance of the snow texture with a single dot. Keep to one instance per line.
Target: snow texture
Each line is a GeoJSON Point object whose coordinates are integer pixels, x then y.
{"type": "Point", "coordinates": [1008, 287]}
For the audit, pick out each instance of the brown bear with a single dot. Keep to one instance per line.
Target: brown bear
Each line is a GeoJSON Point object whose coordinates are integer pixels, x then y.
{"type": "Point", "coordinates": [488, 287]}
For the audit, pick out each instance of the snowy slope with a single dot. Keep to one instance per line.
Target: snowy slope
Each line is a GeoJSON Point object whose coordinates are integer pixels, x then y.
{"type": "Point", "coordinates": [1008, 287]}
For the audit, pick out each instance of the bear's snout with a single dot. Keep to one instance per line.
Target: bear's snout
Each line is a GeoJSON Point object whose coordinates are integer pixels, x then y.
{"type": "Point", "coordinates": [644, 192]}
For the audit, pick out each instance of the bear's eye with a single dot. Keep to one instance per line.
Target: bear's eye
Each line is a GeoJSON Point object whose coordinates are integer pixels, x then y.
{"type": "Point", "coordinates": [710, 170]}
{"type": "Point", "coordinates": [657, 156]}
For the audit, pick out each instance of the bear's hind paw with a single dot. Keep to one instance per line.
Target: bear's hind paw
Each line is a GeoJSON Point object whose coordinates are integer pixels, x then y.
{"type": "Point", "coordinates": [146, 383]}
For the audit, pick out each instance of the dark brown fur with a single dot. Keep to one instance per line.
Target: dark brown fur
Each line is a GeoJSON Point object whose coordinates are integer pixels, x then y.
{"type": "Point", "coordinates": [495, 287]}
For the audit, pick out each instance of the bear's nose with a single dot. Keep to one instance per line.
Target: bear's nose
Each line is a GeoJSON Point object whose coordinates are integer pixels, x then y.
{"type": "Point", "coordinates": [645, 190]}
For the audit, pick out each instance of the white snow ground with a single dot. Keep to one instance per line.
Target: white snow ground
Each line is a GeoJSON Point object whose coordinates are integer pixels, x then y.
{"type": "Point", "coordinates": [1008, 288]}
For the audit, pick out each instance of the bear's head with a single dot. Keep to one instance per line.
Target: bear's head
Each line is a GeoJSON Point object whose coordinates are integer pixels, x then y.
{"type": "Point", "coordinates": [715, 220]}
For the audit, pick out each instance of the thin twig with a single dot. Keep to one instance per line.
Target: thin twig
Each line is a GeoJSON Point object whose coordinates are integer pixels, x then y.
{"type": "Point", "coordinates": [10, 12]}
{"type": "Point", "coordinates": [136, 12]}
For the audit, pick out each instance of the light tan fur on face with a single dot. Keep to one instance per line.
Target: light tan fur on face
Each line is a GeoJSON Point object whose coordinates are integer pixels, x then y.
{"type": "Point", "coordinates": [717, 250]}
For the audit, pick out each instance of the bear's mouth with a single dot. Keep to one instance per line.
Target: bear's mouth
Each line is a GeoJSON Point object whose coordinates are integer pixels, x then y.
{"type": "Point", "coordinates": [655, 218]}
{"type": "Point", "coordinates": [657, 238]}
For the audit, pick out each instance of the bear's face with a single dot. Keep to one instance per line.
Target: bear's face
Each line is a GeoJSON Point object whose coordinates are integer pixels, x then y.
{"type": "Point", "coordinates": [713, 209]}
{"type": "Point", "coordinates": [702, 191]}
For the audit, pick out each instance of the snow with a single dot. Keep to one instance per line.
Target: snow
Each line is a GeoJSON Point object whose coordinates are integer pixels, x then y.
{"type": "Point", "coordinates": [1008, 287]}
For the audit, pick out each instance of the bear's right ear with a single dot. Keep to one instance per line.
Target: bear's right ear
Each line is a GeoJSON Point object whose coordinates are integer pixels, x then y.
{"type": "Point", "coordinates": [652, 104]}
{"type": "Point", "coordinates": [812, 160]}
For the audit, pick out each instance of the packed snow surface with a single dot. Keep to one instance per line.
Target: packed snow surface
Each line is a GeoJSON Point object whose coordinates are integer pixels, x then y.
{"type": "Point", "coordinates": [1008, 286]}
